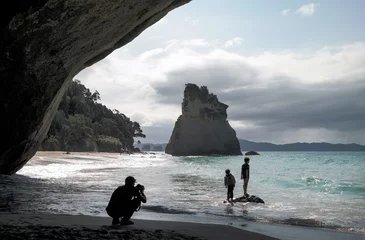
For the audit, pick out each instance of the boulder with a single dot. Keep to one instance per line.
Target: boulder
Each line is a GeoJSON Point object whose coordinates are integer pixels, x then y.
{"type": "Point", "coordinates": [44, 44]}
{"type": "Point", "coordinates": [202, 129]}
{"type": "Point", "coordinates": [251, 198]}
{"type": "Point", "coordinates": [251, 153]}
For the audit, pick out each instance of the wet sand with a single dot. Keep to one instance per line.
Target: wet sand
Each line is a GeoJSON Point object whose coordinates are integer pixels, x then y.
{"type": "Point", "coordinates": [49, 226]}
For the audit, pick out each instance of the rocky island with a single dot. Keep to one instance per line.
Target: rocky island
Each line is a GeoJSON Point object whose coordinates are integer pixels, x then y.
{"type": "Point", "coordinates": [202, 129]}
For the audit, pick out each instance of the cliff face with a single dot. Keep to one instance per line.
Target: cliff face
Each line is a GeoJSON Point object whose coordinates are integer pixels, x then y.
{"type": "Point", "coordinates": [202, 129]}
{"type": "Point", "coordinates": [44, 44]}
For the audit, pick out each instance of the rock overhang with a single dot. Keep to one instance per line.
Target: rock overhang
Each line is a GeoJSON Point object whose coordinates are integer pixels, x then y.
{"type": "Point", "coordinates": [44, 44]}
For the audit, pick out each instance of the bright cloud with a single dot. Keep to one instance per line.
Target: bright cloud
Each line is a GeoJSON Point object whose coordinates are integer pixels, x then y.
{"type": "Point", "coordinates": [283, 96]}
{"type": "Point", "coordinates": [191, 43]}
{"type": "Point", "coordinates": [235, 41]}
{"type": "Point", "coordinates": [308, 10]}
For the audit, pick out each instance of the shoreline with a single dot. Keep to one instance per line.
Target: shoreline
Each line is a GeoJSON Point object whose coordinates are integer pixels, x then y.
{"type": "Point", "coordinates": [49, 157]}
{"type": "Point", "coordinates": [273, 229]}
{"type": "Point", "coordinates": [65, 153]}
{"type": "Point", "coordinates": [149, 212]}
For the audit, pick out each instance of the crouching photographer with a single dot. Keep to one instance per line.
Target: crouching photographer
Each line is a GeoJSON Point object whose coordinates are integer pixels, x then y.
{"type": "Point", "coordinates": [126, 200]}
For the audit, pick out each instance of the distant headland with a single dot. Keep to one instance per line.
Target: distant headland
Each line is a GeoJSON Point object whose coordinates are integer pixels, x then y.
{"type": "Point", "coordinates": [264, 146]}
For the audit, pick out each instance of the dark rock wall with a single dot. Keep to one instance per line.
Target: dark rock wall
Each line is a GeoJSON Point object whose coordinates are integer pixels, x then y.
{"type": "Point", "coordinates": [44, 45]}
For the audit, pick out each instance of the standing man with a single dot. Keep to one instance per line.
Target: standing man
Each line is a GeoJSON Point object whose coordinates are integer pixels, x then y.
{"type": "Point", "coordinates": [125, 200]}
{"type": "Point", "coordinates": [245, 175]}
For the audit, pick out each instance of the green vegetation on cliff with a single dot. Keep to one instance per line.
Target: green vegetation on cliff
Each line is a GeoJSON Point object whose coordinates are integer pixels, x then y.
{"type": "Point", "coordinates": [82, 124]}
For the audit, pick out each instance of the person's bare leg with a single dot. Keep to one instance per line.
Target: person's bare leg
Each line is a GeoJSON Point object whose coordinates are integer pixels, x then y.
{"type": "Point", "coordinates": [245, 184]}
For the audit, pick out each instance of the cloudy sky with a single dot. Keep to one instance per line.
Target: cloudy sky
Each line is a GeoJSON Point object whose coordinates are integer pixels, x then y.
{"type": "Point", "coordinates": [290, 71]}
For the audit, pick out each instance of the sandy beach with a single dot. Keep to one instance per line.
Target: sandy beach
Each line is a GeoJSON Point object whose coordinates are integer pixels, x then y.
{"type": "Point", "coordinates": [38, 226]}
{"type": "Point", "coordinates": [48, 157]}
{"type": "Point", "coordinates": [62, 153]}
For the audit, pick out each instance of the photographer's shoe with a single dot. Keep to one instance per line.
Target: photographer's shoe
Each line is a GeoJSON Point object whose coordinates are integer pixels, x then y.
{"type": "Point", "coordinates": [126, 222]}
{"type": "Point", "coordinates": [115, 221]}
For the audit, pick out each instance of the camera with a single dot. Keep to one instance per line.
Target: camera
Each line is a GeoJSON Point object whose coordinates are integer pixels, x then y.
{"type": "Point", "coordinates": [140, 187]}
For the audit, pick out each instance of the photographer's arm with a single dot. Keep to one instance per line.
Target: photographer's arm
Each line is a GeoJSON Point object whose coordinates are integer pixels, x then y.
{"type": "Point", "coordinates": [142, 197]}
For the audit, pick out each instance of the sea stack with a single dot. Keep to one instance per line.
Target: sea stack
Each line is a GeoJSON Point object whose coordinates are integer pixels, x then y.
{"type": "Point", "coordinates": [202, 129]}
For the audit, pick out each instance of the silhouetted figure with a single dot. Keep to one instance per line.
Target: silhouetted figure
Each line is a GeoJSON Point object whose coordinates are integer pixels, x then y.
{"type": "Point", "coordinates": [245, 175]}
{"type": "Point", "coordinates": [229, 182]}
{"type": "Point", "coordinates": [125, 200]}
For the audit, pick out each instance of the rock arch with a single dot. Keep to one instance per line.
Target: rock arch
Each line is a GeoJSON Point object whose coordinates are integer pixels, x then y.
{"type": "Point", "coordinates": [44, 44]}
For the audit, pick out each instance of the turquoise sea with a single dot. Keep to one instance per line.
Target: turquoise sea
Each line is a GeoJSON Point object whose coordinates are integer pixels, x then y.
{"type": "Point", "coordinates": [318, 189]}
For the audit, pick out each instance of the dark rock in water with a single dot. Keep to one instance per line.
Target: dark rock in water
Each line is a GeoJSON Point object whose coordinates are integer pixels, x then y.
{"type": "Point", "coordinates": [251, 198]}
{"type": "Point", "coordinates": [202, 129]}
{"type": "Point", "coordinates": [43, 45]}
{"type": "Point", "coordinates": [251, 153]}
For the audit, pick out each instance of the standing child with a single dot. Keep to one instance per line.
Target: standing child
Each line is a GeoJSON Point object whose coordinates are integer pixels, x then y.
{"type": "Point", "coordinates": [245, 175]}
{"type": "Point", "coordinates": [229, 182]}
